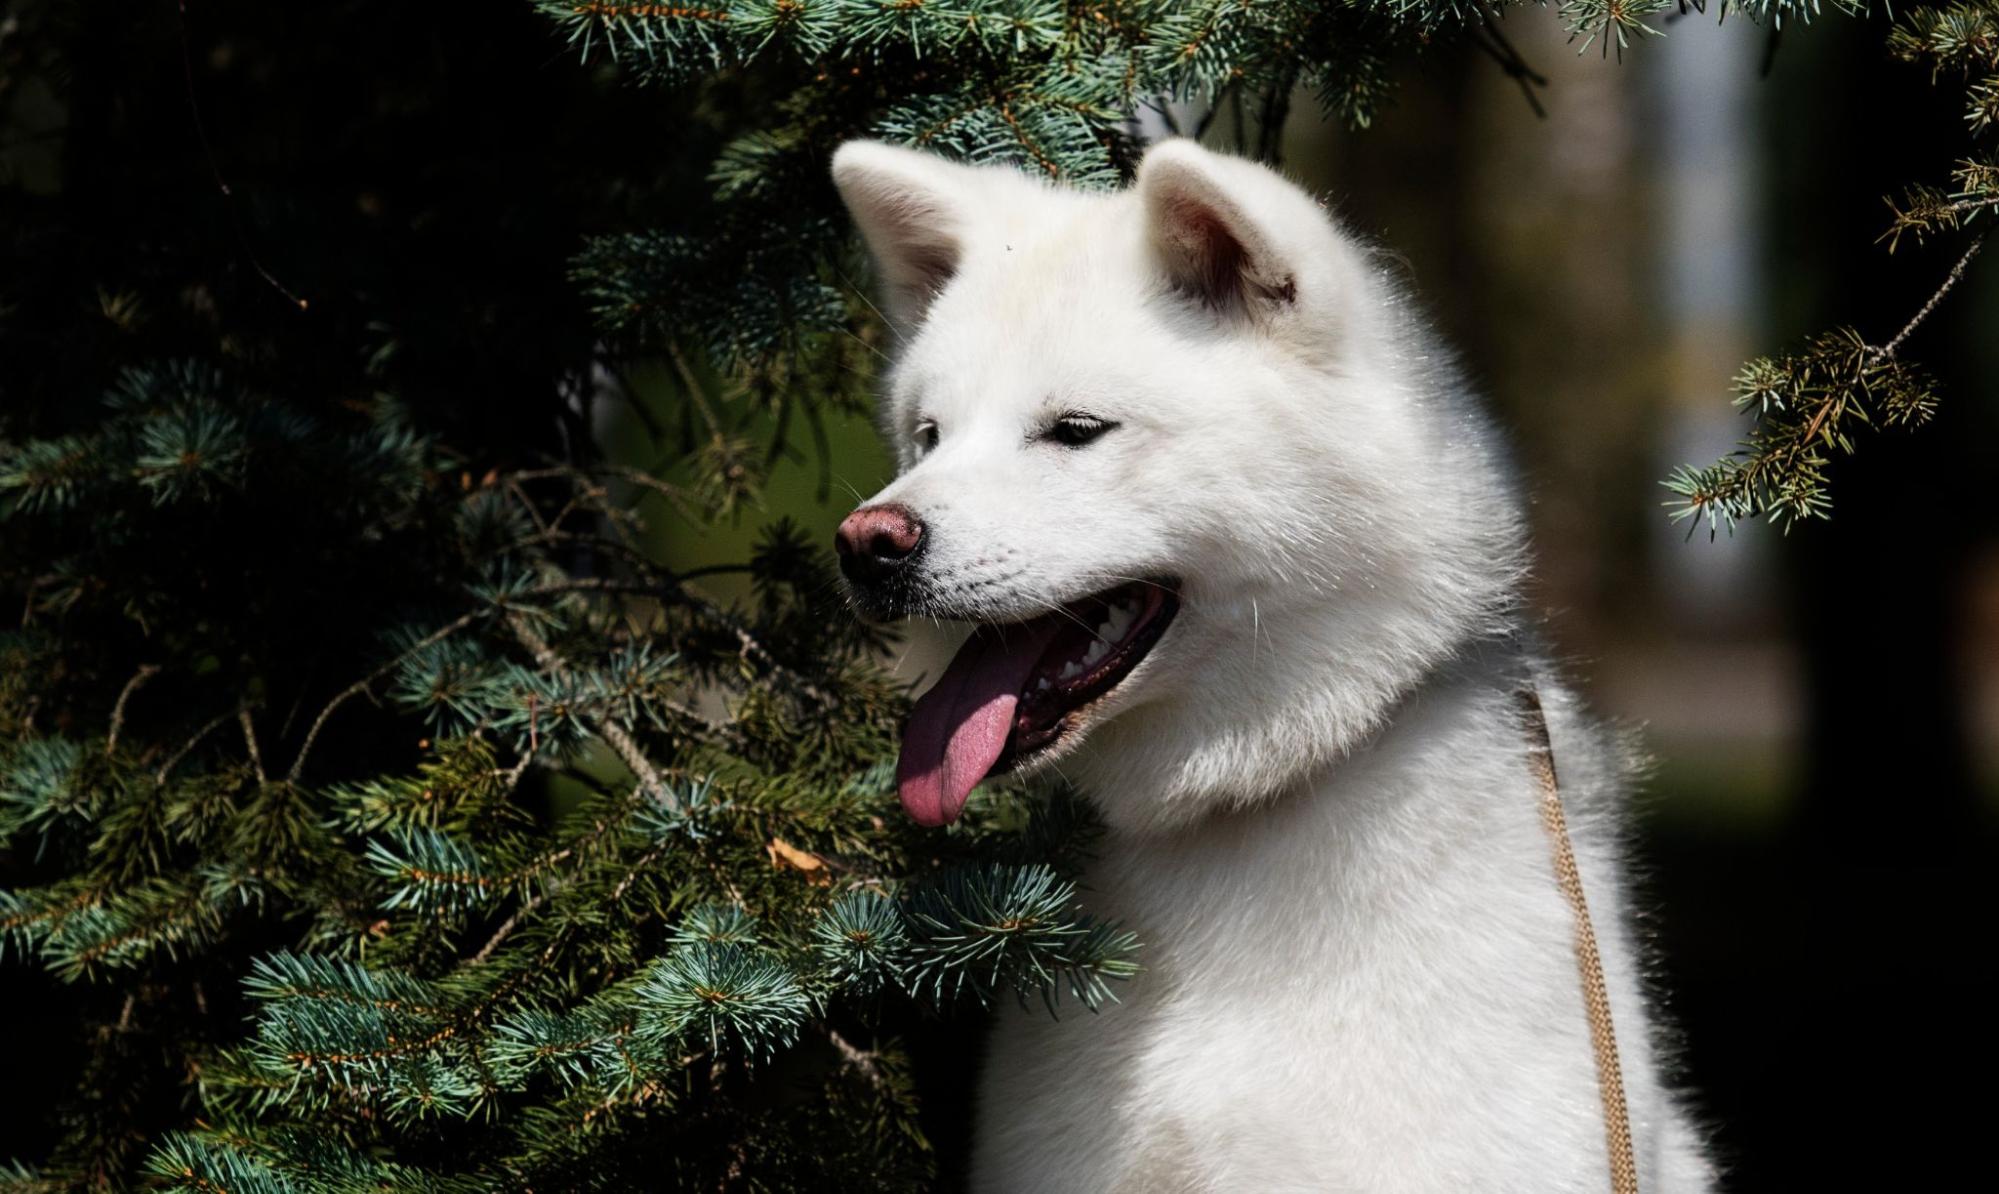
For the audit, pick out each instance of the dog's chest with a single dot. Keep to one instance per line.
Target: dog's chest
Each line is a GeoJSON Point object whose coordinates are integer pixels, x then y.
{"type": "Point", "coordinates": [1349, 1000]}
{"type": "Point", "coordinates": [1371, 990]}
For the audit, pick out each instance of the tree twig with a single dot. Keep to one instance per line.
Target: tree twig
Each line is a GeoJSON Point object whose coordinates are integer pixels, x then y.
{"type": "Point", "coordinates": [173, 760]}
{"type": "Point", "coordinates": [362, 685]}
{"type": "Point", "coordinates": [675, 496]}
{"type": "Point", "coordinates": [146, 672]}
{"type": "Point", "coordinates": [638, 867]}
{"type": "Point", "coordinates": [696, 393]}
{"type": "Point", "coordinates": [507, 927]}
{"type": "Point", "coordinates": [611, 732]}
{"type": "Point", "coordinates": [668, 590]}
{"type": "Point", "coordinates": [1887, 351]}
{"type": "Point", "coordinates": [1496, 45]}
{"type": "Point", "coordinates": [250, 741]}
{"type": "Point", "coordinates": [222, 184]}
{"type": "Point", "coordinates": [858, 1058]}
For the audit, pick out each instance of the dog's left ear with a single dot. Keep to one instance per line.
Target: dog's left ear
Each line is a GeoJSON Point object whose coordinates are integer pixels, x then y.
{"type": "Point", "coordinates": [1216, 226]}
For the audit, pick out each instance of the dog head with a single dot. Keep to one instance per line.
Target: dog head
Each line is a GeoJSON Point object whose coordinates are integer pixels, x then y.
{"type": "Point", "coordinates": [1183, 462]}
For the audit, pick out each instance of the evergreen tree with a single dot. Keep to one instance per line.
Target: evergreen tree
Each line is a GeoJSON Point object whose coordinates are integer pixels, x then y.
{"type": "Point", "coordinates": [386, 812]}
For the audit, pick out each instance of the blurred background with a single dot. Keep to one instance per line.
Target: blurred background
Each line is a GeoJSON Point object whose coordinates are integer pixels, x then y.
{"type": "Point", "coordinates": [1818, 838]}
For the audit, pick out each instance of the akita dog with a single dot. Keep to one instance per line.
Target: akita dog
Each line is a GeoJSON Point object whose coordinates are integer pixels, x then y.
{"type": "Point", "coordinates": [1244, 561]}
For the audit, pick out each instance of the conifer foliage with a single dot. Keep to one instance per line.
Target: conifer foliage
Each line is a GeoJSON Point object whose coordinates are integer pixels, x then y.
{"type": "Point", "coordinates": [382, 810]}
{"type": "Point", "coordinates": [1812, 404]}
{"type": "Point", "coordinates": [643, 849]}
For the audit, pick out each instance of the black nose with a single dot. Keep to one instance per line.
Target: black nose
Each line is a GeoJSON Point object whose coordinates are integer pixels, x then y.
{"type": "Point", "coordinates": [874, 541]}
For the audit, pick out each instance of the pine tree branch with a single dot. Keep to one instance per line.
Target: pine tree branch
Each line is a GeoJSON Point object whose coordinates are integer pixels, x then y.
{"type": "Point", "coordinates": [695, 391]}
{"type": "Point", "coordinates": [540, 524]}
{"type": "Point", "coordinates": [250, 741]}
{"type": "Point", "coordinates": [613, 734]}
{"type": "Point", "coordinates": [173, 760]}
{"type": "Point", "coordinates": [55, 914]}
{"type": "Point", "coordinates": [1887, 351]}
{"type": "Point", "coordinates": [857, 1058]}
{"type": "Point", "coordinates": [637, 867]}
{"type": "Point", "coordinates": [154, 921]}
{"type": "Point", "coordinates": [146, 672]}
{"type": "Point", "coordinates": [679, 498]}
{"type": "Point", "coordinates": [507, 926]}
{"type": "Point", "coordinates": [668, 590]}
{"type": "Point", "coordinates": [624, 551]}
{"type": "Point", "coordinates": [364, 683]}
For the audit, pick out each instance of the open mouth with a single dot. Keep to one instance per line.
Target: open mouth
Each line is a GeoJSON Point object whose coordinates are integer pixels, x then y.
{"type": "Point", "coordinates": [1014, 690]}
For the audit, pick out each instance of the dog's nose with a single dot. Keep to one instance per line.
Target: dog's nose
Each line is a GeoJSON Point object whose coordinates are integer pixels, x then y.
{"type": "Point", "coordinates": [874, 541]}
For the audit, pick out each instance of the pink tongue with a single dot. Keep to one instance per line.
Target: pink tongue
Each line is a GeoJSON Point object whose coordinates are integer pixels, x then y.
{"type": "Point", "coordinates": [958, 728]}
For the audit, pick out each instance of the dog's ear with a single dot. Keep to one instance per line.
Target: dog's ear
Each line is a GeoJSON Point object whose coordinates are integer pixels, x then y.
{"type": "Point", "coordinates": [910, 208]}
{"type": "Point", "coordinates": [1215, 229]}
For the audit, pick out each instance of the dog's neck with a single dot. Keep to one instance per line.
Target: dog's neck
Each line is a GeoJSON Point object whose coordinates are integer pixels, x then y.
{"type": "Point", "coordinates": [1487, 656]}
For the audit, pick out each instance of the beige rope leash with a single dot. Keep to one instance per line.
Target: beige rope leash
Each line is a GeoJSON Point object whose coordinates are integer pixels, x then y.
{"type": "Point", "coordinates": [1596, 996]}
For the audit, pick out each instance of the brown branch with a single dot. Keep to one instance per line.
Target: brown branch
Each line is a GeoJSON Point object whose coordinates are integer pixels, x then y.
{"type": "Point", "coordinates": [1887, 351]}
{"type": "Point", "coordinates": [146, 672]}
{"type": "Point", "coordinates": [160, 922]}
{"type": "Point", "coordinates": [173, 760]}
{"type": "Point", "coordinates": [860, 1059]}
{"type": "Point", "coordinates": [625, 551]}
{"type": "Point", "coordinates": [696, 392]}
{"type": "Point", "coordinates": [333, 995]}
{"type": "Point", "coordinates": [577, 845]}
{"type": "Point", "coordinates": [613, 734]}
{"type": "Point", "coordinates": [57, 913]}
{"type": "Point", "coordinates": [514, 487]}
{"type": "Point", "coordinates": [506, 927]}
{"type": "Point", "coordinates": [632, 873]}
{"type": "Point", "coordinates": [675, 495]}
{"type": "Point", "coordinates": [250, 741]}
{"type": "Point", "coordinates": [669, 590]}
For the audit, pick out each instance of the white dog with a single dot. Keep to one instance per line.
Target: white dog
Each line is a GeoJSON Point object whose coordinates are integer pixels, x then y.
{"type": "Point", "coordinates": [1247, 564]}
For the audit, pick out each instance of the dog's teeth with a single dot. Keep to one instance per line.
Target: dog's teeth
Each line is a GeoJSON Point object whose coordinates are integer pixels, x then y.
{"type": "Point", "coordinates": [1118, 623]}
{"type": "Point", "coordinates": [1097, 651]}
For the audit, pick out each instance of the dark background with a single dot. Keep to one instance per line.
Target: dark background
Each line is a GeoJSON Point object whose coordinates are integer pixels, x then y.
{"type": "Point", "coordinates": [1824, 704]}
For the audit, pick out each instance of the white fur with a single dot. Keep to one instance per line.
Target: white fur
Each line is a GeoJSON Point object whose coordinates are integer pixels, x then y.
{"type": "Point", "coordinates": [1359, 972]}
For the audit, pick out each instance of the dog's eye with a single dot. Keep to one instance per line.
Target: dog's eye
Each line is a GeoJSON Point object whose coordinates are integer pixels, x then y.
{"type": "Point", "coordinates": [926, 435]}
{"type": "Point", "coordinates": [1074, 431]}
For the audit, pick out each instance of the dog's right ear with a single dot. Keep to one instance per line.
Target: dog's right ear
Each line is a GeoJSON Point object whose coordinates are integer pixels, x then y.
{"type": "Point", "coordinates": [1240, 239]}
{"type": "Point", "coordinates": [909, 207]}
{"type": "Point", "coordinates": [1224, 230]}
